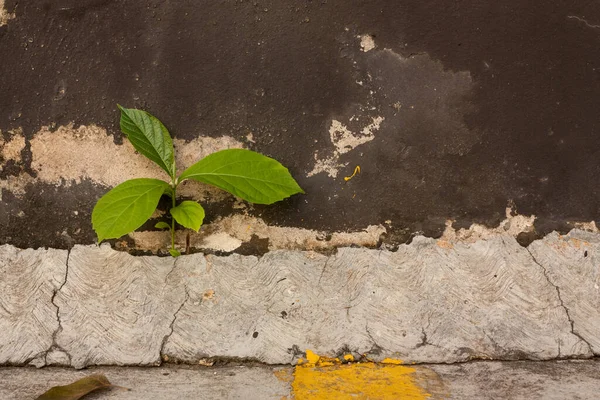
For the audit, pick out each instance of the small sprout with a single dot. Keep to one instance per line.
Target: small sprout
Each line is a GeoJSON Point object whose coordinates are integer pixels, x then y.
{"type": "Point", "coordinates": [162, 225]}
{"type": "Point", "coordinates": [243, 173]}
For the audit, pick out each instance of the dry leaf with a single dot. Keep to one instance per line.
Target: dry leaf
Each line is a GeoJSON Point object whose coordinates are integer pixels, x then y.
{"type": "Point", "coordinates": [77, 389]}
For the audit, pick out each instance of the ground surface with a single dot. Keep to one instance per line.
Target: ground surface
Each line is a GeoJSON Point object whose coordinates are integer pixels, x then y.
{"type": "Point", "coordinates": [558, 380]}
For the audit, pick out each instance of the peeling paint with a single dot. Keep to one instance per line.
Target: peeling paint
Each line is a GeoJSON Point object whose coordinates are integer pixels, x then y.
{"type": "Point", "coordinates": [586, 226]}
{"type": "Point", "coordinates": [72, 154]}
{"type": "Point", "coordinates": [5, 16]}
{"type": "Point", "coordinates": [344, 140]}
{"type": "Point", "coordinates": [330, 166]}
{"type": "Point", "coordinates": [511, 226]}
{"type": "Point", "coordinates": [367, 43]}
{"type": "Point", "coordinates": [227, 232]}
{"type": "Point", "coordinates": [11, 149]}
{"type": "Point", "coordinates": [16, 184]}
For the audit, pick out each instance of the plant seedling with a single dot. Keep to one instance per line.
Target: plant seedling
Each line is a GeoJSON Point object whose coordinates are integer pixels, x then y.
{"type": "Point", "coordinates": [243, 173]}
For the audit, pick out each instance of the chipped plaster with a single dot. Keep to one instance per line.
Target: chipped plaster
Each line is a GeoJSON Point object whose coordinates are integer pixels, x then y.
{"type": "Point", "coordinates": [586, 226]}
{"type": "Point", "coordinates": [512, 225]}
{"type": "Point", "coordinates": [5, 16]}
{"type": "Point", "coordinates": [72, 154]}
{"type": "Point", "coordinates": [344, 140]}
{"type": "Point", "coordinates": [11, 148]}
{"type": "Point", "coordinates": [367, 43]}
{"type": "Point", "coordinates": [221, 241]}
{"type": "Point", "coordinates": [227, 232]}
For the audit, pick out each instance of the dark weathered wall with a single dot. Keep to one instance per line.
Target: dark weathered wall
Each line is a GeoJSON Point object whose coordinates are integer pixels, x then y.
{"type": "Point", "coordinates": [453, 110]}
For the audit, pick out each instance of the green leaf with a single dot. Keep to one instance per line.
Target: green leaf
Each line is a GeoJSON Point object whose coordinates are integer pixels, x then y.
{"type": "Point", "coordinates": [174, 253]}
{"type": "Point", "coordinates": [162, 225]}
{"type": "Point", "coordinates": [246, 174]}
{"type": "Point", "coordinates": [189, 214]}
{"type": "Point", "coordinates": [77, 389]}
{"type": "Point", "coordinates": [126, 207]}
{"type": "Point", "coordinates": [149, 136]}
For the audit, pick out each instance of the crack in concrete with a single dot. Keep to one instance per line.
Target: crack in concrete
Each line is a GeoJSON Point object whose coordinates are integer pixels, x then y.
{"type": "Point", "coordinates": [424, 340]}
{"type": "Point", "coordinates": [560, 299]}
{"type": "Point", "coordinates": [161, 354]}
{"type": "Point", "coordinates": [54, 345]}
{"type": "Point", "coordinates": [324, 268]}
{"type": "Point", "coordinates": [376, 349]}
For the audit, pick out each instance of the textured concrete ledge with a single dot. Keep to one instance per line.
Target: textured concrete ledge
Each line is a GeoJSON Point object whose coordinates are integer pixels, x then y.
{"type": "Point", "coordinates": [429, 302]}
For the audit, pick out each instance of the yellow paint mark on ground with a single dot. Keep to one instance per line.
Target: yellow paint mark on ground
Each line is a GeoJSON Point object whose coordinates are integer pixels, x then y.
{"type": "Point", "coordinates": [313, 360]}
{"type": "Point", "coordinates": [357, 381]}
{"type": "Point", "coordinates": [392, 361]}
{"type": "Point", "coordinates": [285, 375]}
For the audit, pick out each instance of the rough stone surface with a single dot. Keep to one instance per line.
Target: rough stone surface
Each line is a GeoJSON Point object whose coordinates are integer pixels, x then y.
{"type": "Point", "coordinates": [28, 283]}
{"type": "Point", "coordinates": [423, 303]}
{"type": "Point", "coordinates": [116, 308]}
{"type": "Point", "coordinates": [572, 264]}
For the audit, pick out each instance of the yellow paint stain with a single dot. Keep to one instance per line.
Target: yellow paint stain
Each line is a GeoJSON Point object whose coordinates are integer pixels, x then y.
{"type": "Point", "coordinates": [284, 375]}
{"type": "Point", "coordinates": [313, 359]}
{"type": "Point", "coordinates": [357, 381]}
{"type": "Point", "coordinates": [392, 361]}
{"type": "Point", "coordinates": [356, 171]}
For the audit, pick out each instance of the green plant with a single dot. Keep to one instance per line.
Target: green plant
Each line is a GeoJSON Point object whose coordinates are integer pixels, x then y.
{"type": "Point", "coordinates": [243, 173]}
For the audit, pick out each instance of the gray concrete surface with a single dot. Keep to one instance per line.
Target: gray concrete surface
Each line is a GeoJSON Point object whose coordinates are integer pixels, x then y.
{"type": "Point", "coordinates": [550, 380]}
{"type": "Point", "coordinates": [116, 308]}
{"type": "Point", "coordinates": [429, 302]}
{"type": "Point", "coordinates": [165, 383]}
{"type": "Point", "coordinates": [29, 280]}
{"type": "Point", "coordinates": [572, 264]}
{"type": "Point", "coordinates": [560, 380]}
{"type": "Point", "coordinates": [423, 303]}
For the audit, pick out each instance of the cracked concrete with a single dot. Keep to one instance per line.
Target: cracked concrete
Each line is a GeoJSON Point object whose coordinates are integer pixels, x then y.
{"type": "Point", "coordinates": [29, 281]}
{"type": "Point", "coordinates": [162, 354]}
{"type": "Point", "coordinates": [115, 308]}
{"type": "Point", "coordinates": [562, 303]}
{"type": "Point", "coordinates": [571, 264]}
{"type": "Point", "coordinates": [56, 355]}
{"type": "Point", "coordinates": [428, 302]}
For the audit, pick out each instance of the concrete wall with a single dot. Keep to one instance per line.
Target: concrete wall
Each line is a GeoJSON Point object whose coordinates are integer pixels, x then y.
{"type": "Point", "coordinates": [453, 111]}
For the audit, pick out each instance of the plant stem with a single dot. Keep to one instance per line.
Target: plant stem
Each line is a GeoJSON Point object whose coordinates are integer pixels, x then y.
{"type": "Point", "coordinates": [173, 195]}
